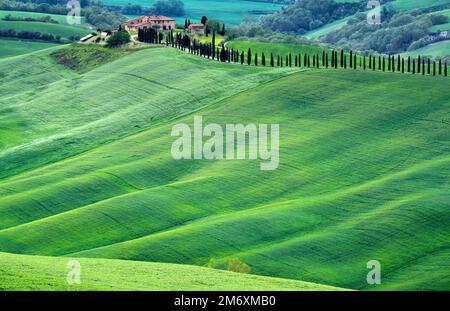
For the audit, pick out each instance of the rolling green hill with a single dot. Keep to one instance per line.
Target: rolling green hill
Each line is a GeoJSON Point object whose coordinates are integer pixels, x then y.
{"type": "Point", "coordinates": [441, 48]}
{"type": "Point", "coordinates": [14, 47]}
{"type": "Point", "coordinates": [364, 168]}
{"type": "Point", "coordinates": [61, 19]}
{"type": "Point", "coordinates": [62, 29]}
{"type": "Point", "coordinates": [19, 272]}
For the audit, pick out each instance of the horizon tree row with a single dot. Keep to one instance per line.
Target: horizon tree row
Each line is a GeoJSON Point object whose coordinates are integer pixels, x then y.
{"type": "Point", "coordinates": [351, 60]}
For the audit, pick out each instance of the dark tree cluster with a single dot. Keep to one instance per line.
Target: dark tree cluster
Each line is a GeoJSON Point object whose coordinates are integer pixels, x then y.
{"type": "Point", "coordinates": [30, 35]}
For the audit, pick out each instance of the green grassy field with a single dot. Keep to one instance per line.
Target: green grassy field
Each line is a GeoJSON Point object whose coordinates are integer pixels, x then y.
{"type": "Point", "coordinates": [275, 48]}
{"type": "Point", "coordinates": [21, 272]}
{"type": "Point", "coordinates": [230, 12]}
{"type": "Point", "coordinates": [62, 29]}
{"type": "Point", "coordinates": [61, 19]}
{"type": "Point", "coordinates": [441, 48]}
{"type": "Point", "coordinates": [364, 168]}
{"type": "Point", "coordinates": [14, 47]}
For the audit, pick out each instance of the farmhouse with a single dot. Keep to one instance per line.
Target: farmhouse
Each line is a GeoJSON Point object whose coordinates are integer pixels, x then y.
{"type": "Point", "coordinates": [157, 22]}
{"type": "Point", "coordinates": [197, 29]}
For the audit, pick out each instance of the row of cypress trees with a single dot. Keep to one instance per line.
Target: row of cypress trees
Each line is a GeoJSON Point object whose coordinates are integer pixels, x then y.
{"type": "Point", "coordinates": [337, 59]}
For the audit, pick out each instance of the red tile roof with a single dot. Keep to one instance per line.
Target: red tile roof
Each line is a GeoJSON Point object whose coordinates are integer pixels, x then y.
{"type": "Point", "coordinates": [146, 19]}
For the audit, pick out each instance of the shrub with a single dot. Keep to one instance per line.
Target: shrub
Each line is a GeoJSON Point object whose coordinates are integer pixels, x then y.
{"type": "Point", "coordinates": [236, 265]}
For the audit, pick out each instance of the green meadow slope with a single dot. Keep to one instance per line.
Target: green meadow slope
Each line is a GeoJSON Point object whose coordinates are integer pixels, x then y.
{"type": "Point", "coordinates": [364, 169]}
{"type": "Point", "coordinates": [23, 272]}
{"type": "Point", "coordinates": [14, 47]}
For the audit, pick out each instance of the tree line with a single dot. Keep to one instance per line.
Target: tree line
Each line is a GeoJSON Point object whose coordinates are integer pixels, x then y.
{"type": "Point", "coordinates": [326, 59]}
{"type": "Point", "coordinates": [29, 35]}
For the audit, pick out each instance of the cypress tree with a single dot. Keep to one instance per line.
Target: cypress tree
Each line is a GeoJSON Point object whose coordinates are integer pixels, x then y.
{"type": "Point", "coordinates": [323, 58]}
{"type": "Point", "coordinates": [440, 67]}
{"type": "Point", "coordinates": [326, 60]}
{"type": "Point", "coordinates": [419, 62]}
{"type": "Point", "coordinates": [370, 61]}
{"type": "Point", "coordinates": [409, 63]}
{"type": "Point", "coordinates": [317, 61]}
{"type": "Point", "coordinates": [332, 58]}
{"type": "Point", "coordinates": [398, 63]}
{"type": "Point", "coordinates": [434, 68]}
{"type": "Point", "coordinates": [342, 58]}
{"type": "Point", "coordinates": [242, 58]}
{"type": "Point", "coordinates": [335, 60]}
{"type": "Point", "coordinates": [314, 61]}
{"type": "Point", "coordinates": [374, 66]}
{"type": "Point", "coordinates": [351, 59]}
{"type": "Point", "coordinates": [305, 62]}
{"type": "Point", "coordinates": [256, 59]}
{"type": "Point", "coordinates": [290, 60]}
{"type": "Point", "coordinates": [263, 59]}
{"type": "Point", "coordinates": [354, 61]}
{"type": "Point", "coordinates": [295, 61]}
{"type": "Point", "coordinates": [309, 61]}
{"type": "Point", "coordinates": [384, 64]}
{"type": "Point", "coordinates": [393, 63]}
{"type": "Point", "coordinates": [278, 60]}
{"type": "Point", "coordinates": [213, 44]}
{"type": "Point", "coordinates": [223, 55]}
{"type": "Point", "coordinates": [364, 62]}
{"type": "Point", "coordinates": [299, 59]}
{"type": "Point", "coordinates": [445, 69]}
{"type": "Point", "coordinates": [389, 62]}
{"type": "Point", "coordinates": [271, 60]}
{"type": "Point", "coordinates": [249, 57]}
{"type": "Point", "coordinates": [423, 66]}
{"type": "Point", "coordinates": [414, 66]}
{"type": "Point", "coordinates": [429, 66]}
{"type": "Point", "coordinates": [403, 65]}
{"type": "Point", "coordinates": [287, 61]}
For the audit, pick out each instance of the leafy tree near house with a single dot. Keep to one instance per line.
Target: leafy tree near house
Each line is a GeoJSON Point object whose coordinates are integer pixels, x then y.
{"type": "Point", "coordinates": [118, 39]}
{"type": "Point", "coordinates": [204, 20]}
